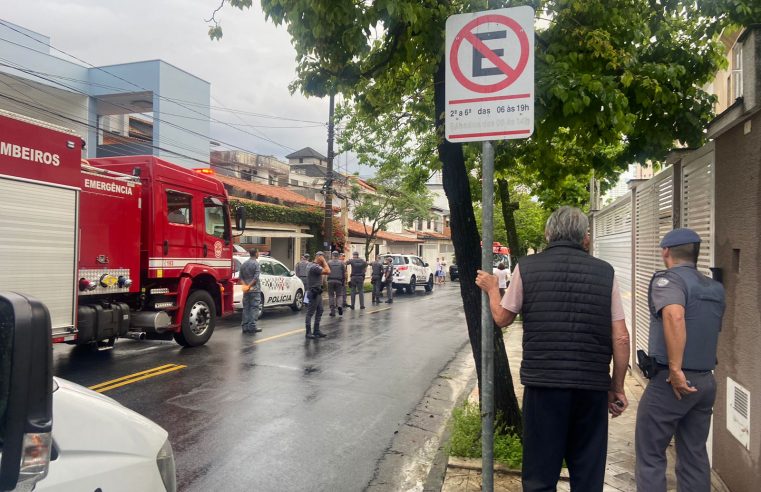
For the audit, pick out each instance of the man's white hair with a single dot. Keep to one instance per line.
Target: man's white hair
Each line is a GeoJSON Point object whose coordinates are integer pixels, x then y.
{"type": "Point", "coordinates": [566, 224]}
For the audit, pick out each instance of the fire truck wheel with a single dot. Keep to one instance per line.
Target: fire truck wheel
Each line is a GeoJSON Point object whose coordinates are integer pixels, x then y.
{"type": "Point", "coordinates": [298, 301]}
{"type": "Point", "coordinates": [198, 320]}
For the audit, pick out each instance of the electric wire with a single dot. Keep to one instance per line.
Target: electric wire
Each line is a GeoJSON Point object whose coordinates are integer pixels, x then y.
{"type": "Point", "coordinates": [133, 84]}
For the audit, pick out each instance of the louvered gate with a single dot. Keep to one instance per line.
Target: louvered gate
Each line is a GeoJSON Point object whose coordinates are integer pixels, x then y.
{"type": "Point", "coordinates": [654, 218]}
{"type": "Point", "coordinates": [698, 201]}
{"type": "Point", "coordinates": [613, 243]}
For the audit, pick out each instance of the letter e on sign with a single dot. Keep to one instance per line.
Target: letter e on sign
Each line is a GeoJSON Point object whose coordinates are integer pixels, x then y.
{"type": "Point", "coordinates": [490, 75]}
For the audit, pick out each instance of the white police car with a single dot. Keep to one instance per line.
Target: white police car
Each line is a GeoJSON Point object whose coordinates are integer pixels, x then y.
{"type": "Point", "coordinates": [410, 271]}
{"type": "Point", "coordinates": [280, 286]}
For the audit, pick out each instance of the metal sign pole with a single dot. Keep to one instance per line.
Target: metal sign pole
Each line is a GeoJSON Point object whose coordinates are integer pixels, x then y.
{"type": "Point", "coordinates": [487, 322]}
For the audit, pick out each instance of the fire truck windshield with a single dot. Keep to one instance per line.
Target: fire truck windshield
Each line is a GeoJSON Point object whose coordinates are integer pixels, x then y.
{"type": "Point", "coordinates": [217, 222]}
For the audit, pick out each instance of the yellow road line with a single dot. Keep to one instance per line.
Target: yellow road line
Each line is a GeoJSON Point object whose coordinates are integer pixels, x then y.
{"type": "Point", "coordinates": [379, 310]}
{"type": "Point", "coordinates": [273, 337]}
{"type": "Point", "coordinates": [133, 378]}
{"type": "Point", "coordinates": [130, 376]}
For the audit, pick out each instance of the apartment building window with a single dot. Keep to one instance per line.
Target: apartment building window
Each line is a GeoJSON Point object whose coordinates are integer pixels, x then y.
{"type": "Point", "coordinates": [420, 224]}
{"type": "Point", "coordinates": [737, 71]}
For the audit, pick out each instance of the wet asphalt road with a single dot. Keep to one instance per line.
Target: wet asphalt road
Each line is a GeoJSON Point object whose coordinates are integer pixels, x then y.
{"type": "Point", "coordinates": [276, 412]}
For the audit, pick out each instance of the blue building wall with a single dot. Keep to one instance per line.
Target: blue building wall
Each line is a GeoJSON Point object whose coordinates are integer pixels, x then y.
{"type": "Point", "coordinates": [41, 85]}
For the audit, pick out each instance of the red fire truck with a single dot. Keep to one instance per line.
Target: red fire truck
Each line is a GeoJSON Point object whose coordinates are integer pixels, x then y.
{"type": "Point", "coordinates": [115, 247]}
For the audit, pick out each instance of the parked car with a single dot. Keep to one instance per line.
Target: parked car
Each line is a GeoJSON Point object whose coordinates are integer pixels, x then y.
{"type": "Point", "coordinates": [411, 271]}
{"type": "Point", "coordinates": [454, 272]}
{"type": "Point", "coordinates": [280, 286]}
{"type": "Point", "coordinates": [58, 436]}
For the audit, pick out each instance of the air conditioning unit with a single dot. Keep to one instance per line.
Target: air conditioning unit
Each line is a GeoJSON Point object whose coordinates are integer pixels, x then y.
{"type": "Point", "coordinates": [738, 412]}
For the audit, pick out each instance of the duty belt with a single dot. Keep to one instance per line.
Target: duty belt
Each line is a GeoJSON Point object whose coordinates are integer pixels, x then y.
{"type": "Point", "coordinates": [684, 369]}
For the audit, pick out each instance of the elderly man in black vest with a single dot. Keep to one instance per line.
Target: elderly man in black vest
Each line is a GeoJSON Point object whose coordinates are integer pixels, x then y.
{"type": "Point", "coordinates": [573, 322]}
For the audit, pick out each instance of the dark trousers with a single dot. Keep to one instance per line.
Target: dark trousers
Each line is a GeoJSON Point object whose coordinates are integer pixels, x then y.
{"type": "Point", "coordinates": [377, 285]}
{"type": "Point", "coordinates": [389, 290]}
{"type": "Point", "coordinates": [357, 287]}
{"type": "Point", "coordinates": [660, 416]}
{"type": "Point", "coordinates": [335, 295]}
{"type": "Point", "coordinates": [570, 424]}
{"type": "Point", "coordinates": [314, 308]}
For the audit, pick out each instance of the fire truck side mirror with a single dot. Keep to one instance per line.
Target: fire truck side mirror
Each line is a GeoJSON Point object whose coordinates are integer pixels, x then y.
{"type": "Point", "coordinates": [26, 391]}
{"type": "Point", "coordinates": [240, 218]}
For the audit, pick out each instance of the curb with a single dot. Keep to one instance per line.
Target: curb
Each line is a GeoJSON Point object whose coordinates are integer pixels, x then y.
{"type": "Point", "coordinates": [415, 458]}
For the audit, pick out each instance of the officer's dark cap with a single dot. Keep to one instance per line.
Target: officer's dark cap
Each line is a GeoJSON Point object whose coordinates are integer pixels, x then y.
{"type": "Point", "coordinates": [319, 253]}
{"type": "Point", "coordinates": [334, 254]}
{"type": "Point", "coordinates": [305, 255]}
{"type": "Point", "coordinates": [680, 236]}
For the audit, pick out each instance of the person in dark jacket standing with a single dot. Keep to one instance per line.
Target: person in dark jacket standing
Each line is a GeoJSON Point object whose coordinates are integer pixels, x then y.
{"type": "Point", "coordinates": [315, 271]}
{"type": "Point", "coordinates": [686, 308]}
{"type": "Point", "coordinates": [342, 257]}
{"type": "Point", "coordinates": [336, 284]}
{"type": "Point", "coordinates": [573, 322]}
{"type": "Point", "coordinates": [388, 279]}
{"type": "Point", "coordinates": [357, 279]}
{"type": "Point", "coordinates": [376, 274]}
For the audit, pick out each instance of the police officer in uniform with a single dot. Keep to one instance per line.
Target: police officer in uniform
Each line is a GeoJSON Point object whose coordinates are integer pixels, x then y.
{"type": "Point", "coordinates": [686, 308]}
{"type": "Point", "coordinates": [315, 272]}
{"type": "Point", "coordinates": [357, 279]}
{"type": "Point", "coordinates": [336, 284]}
{"type": "Point", "coordinates": [388, 279]}
{"type": "Point", "coordinates": [301, 267]}
{"type": "Point", "coordinates": [376, 274]}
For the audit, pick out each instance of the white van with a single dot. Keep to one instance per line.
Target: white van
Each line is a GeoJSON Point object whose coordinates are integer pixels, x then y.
{"type": "Point", "coordinates": [56, 435]}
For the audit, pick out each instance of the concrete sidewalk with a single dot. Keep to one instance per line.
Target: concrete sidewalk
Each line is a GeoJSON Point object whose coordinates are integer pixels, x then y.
{"type": "Point", "coordinates": [465, 475]}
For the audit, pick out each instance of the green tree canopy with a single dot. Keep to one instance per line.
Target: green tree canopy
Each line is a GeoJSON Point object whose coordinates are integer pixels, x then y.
{"type": "Point", "coordinates": [397, 198]}
{"type": "Point", "coordinates": [616, 81]}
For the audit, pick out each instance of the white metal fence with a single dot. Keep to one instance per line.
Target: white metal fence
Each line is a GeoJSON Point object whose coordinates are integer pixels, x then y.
{"type": "Point", "coordinates": [631, 243]}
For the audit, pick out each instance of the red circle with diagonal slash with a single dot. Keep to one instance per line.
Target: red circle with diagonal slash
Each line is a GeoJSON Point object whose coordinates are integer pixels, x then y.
{"type": "Point", "coordinates": [511, 74]}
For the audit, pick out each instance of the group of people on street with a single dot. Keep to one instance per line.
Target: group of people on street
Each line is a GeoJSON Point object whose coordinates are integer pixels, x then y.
{"type": "Point", "coordinates": [333, 273]}
{"type": "Point", "coordinates": [441, 271]}
{"type": "Point", "coordinates": [574, 325]}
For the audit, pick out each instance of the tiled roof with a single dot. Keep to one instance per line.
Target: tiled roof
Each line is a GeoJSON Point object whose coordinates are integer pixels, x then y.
{"type": "Point", "coordinates": [358, 229]}
{"type": "Point", "coordinates": [306, 152]}
{"type": "Point", "coordinates": [431, 235]}
{"type": "Point", "coordinates": [283, 195]}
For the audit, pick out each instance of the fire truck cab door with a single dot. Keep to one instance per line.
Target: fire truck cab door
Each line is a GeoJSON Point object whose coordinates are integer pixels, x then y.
{"type": "Point", "coordinates": [216, 243]}
{"type": "Point", "coordinates": [181, 215]}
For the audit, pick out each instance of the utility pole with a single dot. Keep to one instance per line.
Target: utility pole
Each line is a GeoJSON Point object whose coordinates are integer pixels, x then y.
{"type": "Point", "coordinates": [328, 186]}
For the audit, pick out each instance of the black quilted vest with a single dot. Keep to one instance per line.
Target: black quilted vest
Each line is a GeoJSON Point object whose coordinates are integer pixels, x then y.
{"type": "Point", "coordinates": [566, 319]}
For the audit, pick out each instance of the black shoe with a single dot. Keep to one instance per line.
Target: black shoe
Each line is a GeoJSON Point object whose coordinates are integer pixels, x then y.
{"type": "Point", "coordinates": [257, 330]}
{"type": "Point", "coordinates": [390, 301]}
{"type": "Point", "coordinates": [332, 314]}
{"type": "Point", "coordinates": [361, 307]}
{"type": "Point", "coordinates": [351, 306]}
{"type": "Point", "coordinates": [309, 335]}
{"type": "Point", "coordinates": [340, 311]}
{"type": "Point", "coordinates": [319, 334]}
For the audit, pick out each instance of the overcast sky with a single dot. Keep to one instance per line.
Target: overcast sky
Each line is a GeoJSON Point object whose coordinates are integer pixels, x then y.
{"type": "Point", "coordinates": [249, 69]}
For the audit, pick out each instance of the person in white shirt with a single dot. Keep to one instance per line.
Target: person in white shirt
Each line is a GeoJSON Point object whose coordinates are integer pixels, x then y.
{"type": "Point", "coordinates": [503, 277]}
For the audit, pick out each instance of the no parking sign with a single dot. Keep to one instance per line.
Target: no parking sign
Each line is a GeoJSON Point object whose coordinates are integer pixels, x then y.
{"type": "Point", "coordinates": [490, 75]}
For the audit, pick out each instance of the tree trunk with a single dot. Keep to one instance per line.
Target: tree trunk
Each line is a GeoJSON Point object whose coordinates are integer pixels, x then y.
{"type": "Point", "coordinates": [508, 213]}
{"type": "Point", "coordinates": [467, 248]}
